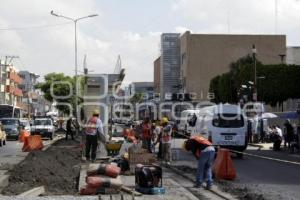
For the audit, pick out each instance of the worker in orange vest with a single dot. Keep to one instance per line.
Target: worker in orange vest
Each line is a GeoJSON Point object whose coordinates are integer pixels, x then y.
{"type": "Point", "coordinates": [205, 154]}
{"type": "Point", "coordinates": [147, 134]}
{"type": "Point", "coordinates": [166, 137]}
{"type": "Point", "coordinates": [93, 131]}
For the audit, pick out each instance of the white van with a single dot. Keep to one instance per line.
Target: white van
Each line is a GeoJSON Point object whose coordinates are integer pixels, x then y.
{"type": "Point", "coordinates": [224, 125]}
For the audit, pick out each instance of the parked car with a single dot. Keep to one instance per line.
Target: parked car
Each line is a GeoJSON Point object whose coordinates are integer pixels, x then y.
{"type": "Point", "coordinates": [2, 136]}
{"type": "Point", "coordinates": [43, 126]}
{"type": "Point", "coordinates": [12, 127]}
{"type": "Point", "coordinates": [25, 122]}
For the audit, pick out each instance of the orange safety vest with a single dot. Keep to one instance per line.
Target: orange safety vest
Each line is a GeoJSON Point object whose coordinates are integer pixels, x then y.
{"type": "Point", "coordinates": [166, 137]}
{"type": "Point", "coordinates": [200, 140]}
{"type": "Point", "coordinates": [146, 131]}
{"type": "Point", "coordinates": [91, 127]}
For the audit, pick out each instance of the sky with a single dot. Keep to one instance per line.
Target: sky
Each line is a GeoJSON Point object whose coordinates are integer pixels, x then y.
{"type": "Point", "coordinates": [130, 28]}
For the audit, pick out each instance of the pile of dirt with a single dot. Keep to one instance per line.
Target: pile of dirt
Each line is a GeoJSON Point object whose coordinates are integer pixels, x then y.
{"type": "Point", "coordinates": [57, 169]}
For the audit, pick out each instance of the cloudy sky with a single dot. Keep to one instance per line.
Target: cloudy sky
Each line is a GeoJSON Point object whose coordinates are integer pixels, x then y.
{"type": "Point", "coordinates": [130, 28]}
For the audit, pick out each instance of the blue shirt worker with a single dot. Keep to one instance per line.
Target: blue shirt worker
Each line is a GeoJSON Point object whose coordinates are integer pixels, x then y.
{"type": "Point", "coordinates": [205, 154]}
{"type": "Point", "coordinates": [93, 131]}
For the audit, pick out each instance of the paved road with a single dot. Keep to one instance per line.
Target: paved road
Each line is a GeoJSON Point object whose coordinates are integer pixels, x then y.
{"type": "Point", "coordinates": [274, 179]}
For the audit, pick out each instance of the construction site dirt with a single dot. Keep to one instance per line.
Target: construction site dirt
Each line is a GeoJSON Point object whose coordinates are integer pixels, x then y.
{"type": "Point", "coordinates": [57, 169]}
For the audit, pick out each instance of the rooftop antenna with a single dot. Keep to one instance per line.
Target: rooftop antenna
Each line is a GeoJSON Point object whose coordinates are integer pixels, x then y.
{"type": "Point", "coordinates": [118, 66]}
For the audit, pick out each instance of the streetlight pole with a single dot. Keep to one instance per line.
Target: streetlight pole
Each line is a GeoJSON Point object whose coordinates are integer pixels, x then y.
{"type": "Point", "coordinates": [254, 51]}
{"type": "Point", "coordinates": [76, 66]}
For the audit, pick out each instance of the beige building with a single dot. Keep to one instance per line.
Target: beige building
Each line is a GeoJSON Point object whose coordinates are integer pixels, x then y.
{"type": "Point", "coordinates": [157, 75]}
{"type": "Point", "coordinates": [204, 56]}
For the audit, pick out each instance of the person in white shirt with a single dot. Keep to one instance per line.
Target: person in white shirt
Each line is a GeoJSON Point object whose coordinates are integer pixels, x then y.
{"type": "Point", "coordinates": [93, 132]}
{"type": "Point", "coordinates": [277, 138]}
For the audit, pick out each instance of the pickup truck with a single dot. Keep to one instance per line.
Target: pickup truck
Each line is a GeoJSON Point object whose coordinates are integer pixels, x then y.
{"type": "Point", "coordinates": [43, 127]}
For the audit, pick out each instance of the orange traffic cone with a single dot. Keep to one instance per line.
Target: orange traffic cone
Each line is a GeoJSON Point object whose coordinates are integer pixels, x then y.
{"type": "Point", "coordinates": [32, 143]}
{"type": "Point", "coordinates": [223, 166]}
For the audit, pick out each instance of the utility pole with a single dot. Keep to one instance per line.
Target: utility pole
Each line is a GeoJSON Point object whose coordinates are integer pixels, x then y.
{"type": "Point", "coordinates": [254, 52]}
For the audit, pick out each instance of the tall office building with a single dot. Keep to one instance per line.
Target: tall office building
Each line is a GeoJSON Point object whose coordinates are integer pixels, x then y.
{"type": "Point", "coordinates": [170, 65]}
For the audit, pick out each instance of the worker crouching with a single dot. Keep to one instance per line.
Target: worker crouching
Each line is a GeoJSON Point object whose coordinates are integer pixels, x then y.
{"type": "Point", "coordinates": [205, 154]}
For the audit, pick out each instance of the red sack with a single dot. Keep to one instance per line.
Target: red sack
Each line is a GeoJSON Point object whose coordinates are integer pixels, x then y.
{"type": "Point", "coordinates": [86, 190]}
{"type": "Point", "coordinates": [97, 182]}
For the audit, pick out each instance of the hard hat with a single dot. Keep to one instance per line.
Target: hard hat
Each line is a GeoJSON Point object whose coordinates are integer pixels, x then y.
{"type": "Point", "coordinates": [96, 112]}
{"type": "Point", "coordinates": [164, 120]}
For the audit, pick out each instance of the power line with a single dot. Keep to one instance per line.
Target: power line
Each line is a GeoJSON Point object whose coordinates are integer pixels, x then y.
{"type": "Point", "coordinates": [34, 27]}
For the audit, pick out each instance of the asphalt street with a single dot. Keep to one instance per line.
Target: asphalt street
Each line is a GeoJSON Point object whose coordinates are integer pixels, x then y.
{"type": "Point", "coordinates": [274, 179]}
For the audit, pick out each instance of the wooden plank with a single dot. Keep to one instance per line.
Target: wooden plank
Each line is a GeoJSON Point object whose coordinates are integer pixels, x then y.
{"type": "Point", "coordinates": [35, 192]}
{"type": "Point", "coordinates": [130, 191]}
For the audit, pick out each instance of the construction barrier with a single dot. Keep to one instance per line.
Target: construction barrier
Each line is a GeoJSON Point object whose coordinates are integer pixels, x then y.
{"type": "Point", "coordinates": [32, 143]}
{"type": "Point", "coordinates": [223, 166]}
{"type": "Point", "coordinates": [23, 136]}
{"type": "Point", "coordinates": [104, 169]}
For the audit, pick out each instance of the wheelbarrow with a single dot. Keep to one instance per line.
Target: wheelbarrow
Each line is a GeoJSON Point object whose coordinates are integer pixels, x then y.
{"type": "Point", "coordinates": [113, 148]}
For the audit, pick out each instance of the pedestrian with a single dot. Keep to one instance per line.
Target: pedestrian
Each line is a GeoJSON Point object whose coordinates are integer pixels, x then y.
{"type": "Point", "coordinates": [289, 133]}
{"type": "Point", "coordinates": [277, 138]}
{"type": "Point", "coordinates": [93, 132]}
{"type": "Point", "coordinates": [262, 131]}
{"type": "Point", "coordinates": [156, 130]}
{"type": "Point", "coordinates": [69, 128]}
{"type": "Point", "coordinates": [249, 130]}
{"type": "Point", "coordinates": [166, 138]}
{"type": "Point", "coordinates": [147, 134]}
{"type": "Point", "coordinates": [205, 154]}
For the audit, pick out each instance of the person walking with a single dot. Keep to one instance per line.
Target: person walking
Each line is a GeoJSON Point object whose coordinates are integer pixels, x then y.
{"type": "Point", "coordinates": [205, 154]}
{"type": "Point", "coordinates": [262, 131]}
{"type": "Point", "coordinates": [69, 128]}
{"type": "Point", "coordinates": [93, 131]}
{"type": "Point", "coordinates": [289, 133]}
{"type": "Point", "coordinates": [277, 138]}
{"type": "Point", "coordinates": [166, 138]}
{"type": "Point", "coordinates": [147, 134]}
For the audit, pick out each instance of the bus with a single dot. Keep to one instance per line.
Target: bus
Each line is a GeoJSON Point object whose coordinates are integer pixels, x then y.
{"type": "Point", "coordinates": [8, 111]}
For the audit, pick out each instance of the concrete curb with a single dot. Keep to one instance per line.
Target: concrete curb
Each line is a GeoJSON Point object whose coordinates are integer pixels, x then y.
{"type": "Point", "coordinates": [35, 192]}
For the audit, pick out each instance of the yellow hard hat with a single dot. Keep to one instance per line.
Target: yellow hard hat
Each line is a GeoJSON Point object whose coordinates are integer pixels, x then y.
{"type": "Point", "coordinates": [164, 120]}
{"type": "Point", "coordinates": [96, 112]}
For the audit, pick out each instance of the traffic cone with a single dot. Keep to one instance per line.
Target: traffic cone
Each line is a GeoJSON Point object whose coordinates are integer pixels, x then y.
{"type": "Point", "coordinates": [223, 166]}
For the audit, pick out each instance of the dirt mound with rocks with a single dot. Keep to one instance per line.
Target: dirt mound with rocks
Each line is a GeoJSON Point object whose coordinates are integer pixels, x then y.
{"type": "Point", "coordinates": [56, 168]}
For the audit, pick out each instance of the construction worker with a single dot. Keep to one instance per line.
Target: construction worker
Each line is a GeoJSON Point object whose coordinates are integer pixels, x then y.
{"type": "Point", "coordinates": [70, 122]}
{"type": "Point", "coordinates": [94, 128]}
{"type": "Point", "coordinates": [147, 134]}
{"type": "Point", "coordinates": [204, 153]}
{"type": "Point", "coordinates": [166, 137]}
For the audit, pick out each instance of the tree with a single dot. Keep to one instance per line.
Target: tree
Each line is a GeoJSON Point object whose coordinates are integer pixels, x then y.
{"type": "Point", "coordinates": [275, 83]}
{"type": "Point", "coordinates": [136, 98]}
{"type": "Point", "coordinates": [60, 88]}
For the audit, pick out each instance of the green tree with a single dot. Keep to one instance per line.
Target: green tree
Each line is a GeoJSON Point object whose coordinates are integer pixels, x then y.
{"type": "Point", "coordinates": [275, 83]}
{"type": "Point", "coordinates": [60, 88]}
